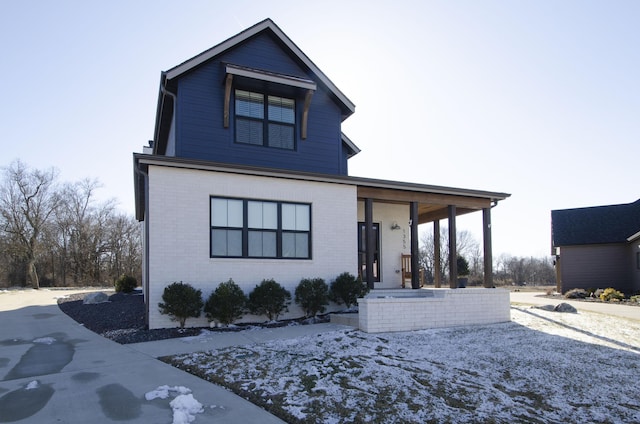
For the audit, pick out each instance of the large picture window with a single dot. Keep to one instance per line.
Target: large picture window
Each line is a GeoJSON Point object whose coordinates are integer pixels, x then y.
{"type": "Point", "coordinates": [265, 120]}
{"type": "Point", "coordinates": [242, 228]}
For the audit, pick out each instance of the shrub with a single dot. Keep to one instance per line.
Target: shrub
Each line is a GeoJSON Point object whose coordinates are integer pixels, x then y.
{"type": "Point", "coordinates": [576, 294]}
{"type": "Point", "coordinates": [226, 304]}
{"type": "Point", "coordinates": [347, 289]}
{"type": "Point", "coordinates": [635, 298]}
{"type": "Point", "coordinates": [125, 284]}
{"type": "Point", "coordinates": [312, 295]}
{"type": "Point", "coordinates": [181, 301]}
{"type": "Point", "coordinates": [610, 294]}
{"type": "Point", "coordinates": [462, 265]}
{"type": "Point", "coordinates": [269, 298]}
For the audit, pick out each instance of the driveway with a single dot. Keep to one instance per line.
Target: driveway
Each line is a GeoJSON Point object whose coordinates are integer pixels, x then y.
{"type": "Point", "coordinates": [55, 370]}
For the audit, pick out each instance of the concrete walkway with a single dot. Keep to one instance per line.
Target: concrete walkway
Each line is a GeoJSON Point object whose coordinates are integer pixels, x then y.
{"type": "Point", "coordinates": [55, 370]}
{"type": "Point", "coordinates": [613, 309]}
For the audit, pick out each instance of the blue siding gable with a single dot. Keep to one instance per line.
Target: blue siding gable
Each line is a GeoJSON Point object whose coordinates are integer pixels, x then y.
{"type": "Point", "coordinates": [199, 110]}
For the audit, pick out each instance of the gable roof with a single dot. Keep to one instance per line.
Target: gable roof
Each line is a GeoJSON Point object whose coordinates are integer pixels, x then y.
{"type": "Point", "coordinates": [266, 25]}
{"type": "Point", "coordinates": [166, 98]}
{"type": "Point", "coordinates": [595, 225]}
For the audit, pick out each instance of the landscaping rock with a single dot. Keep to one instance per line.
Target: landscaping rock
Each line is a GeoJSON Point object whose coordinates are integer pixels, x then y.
{"type": "Point", "coordinates": [93, 298]}
{"type": "Point", "coordinates": [545, 307]}
{"type": "Point", "coordinates": [565, 307]}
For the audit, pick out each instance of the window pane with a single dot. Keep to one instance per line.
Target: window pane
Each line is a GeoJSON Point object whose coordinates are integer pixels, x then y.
{"type": "Point", "coordinates": [226, 242]}
{"type": "Point", "coordinates": [302, 217]}
{"type": "Point", "coordinates": [288, 216]}
{"type": "Point", "coordinates": [219, 212]}
{"type": "Point", "coordinates": [269, 244]}
{"type": "Point", "coordinates": [270, 215]}
{"type": "Point", "coordinates": [234, 213]}
{"type": "Point", "coordinates": [249, 104]}
{"type": "Point", "coordinates": [295, 245]}
{"type": "Point", "coordinates": [295, 217]}
{"type": "Point", "coordinates": [281, 136]}
{"type": "Point", "coordinates": [249, 132]}
{"type": "Point", "coordinates": [234, 243]}
{"type": "Point", "coordinates": [255, 214]}
{"type": "Point", "coordinates": [219, 242]}
{"type": "Point", "coordinates": [226, 213]}
{"type": "Point", "coordinates": [262, 244]}
{"type": "Point", "coordinates": [281, 110]}
{"type": "Point", "coordinates": [288, 245]}
{"type": "Point", "coordinates": [302, 245]}
{"type": "Point", "coordinates": [263, 215]}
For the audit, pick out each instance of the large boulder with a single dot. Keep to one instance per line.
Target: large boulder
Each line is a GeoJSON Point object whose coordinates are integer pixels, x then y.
{"type": "Point", "coordinates": [565, 307]}
{"type": "Point", "coordinates": [93, 298]}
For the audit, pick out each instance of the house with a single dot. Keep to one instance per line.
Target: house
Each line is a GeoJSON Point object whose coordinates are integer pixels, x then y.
{"type": "Point", "coordinates": [597, 247]}
{"type": "Point", "coordinates": [247, 178]}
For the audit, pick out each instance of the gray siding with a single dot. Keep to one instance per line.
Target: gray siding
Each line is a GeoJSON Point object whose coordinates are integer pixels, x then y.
{"type": "Point", "coordinates": [635, 265]}
{"type": "Point", "coordinates": [596, 266]}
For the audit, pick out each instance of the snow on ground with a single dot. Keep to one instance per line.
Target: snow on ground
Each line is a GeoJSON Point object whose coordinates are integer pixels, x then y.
{"type": "Point", "coordinates": [542, 367]}
{"type": "Point", "coordinates": [184, 405]}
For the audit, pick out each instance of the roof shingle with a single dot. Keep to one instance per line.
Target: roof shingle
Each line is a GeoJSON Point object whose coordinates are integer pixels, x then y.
{"type": "Point", "coordinates": [595, 225]}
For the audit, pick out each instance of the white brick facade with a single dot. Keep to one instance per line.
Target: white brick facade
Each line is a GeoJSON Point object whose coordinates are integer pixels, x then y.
{"type": "Point", "coordinates": [407, 310]}
{"type": "Point", "coordinates": [179, 234]}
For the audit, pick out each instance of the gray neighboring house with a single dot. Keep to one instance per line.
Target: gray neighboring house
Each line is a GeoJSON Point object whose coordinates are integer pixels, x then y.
{"type": "Point", "coordinates": [597, 247]}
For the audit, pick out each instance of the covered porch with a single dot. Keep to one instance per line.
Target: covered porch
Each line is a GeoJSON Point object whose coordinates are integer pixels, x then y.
{"type": "Point", "coordinates": [413, 205]}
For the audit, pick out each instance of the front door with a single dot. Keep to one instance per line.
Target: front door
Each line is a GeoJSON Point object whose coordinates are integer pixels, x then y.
{"type": "Point", "coordinates": [362, 252]}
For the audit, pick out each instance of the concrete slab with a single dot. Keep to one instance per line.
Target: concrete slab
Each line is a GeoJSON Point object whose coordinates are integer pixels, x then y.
{"type": "Point", "coordinates": [54, 370]}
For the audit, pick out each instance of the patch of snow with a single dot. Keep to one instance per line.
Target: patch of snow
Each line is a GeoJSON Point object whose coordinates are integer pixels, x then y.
{"type": "Point", "coordinates": [184, 405]}
{"type": "Point", "coordinates": [45, 340]}
{"type": "Point", "coordinates": [541, 367]}
{"type": "Point", "coordinates": [165, 391]}
{"type": "Point", "coordinates": [32, 385]}
{"type": "Point", "coordinates": [184, 409]}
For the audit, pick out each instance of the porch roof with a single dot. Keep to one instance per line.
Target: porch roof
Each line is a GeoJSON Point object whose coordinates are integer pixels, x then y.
{"type": "Point", "coordinates": [432, 200]}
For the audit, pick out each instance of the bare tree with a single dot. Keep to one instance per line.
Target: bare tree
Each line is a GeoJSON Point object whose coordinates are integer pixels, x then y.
{"type": "Point", "coordinates": [125, 247]}
{"type": "Point", "coordinates": [514, 270]}
{"type": "Point", "coordinates": [83, 231]}
{"type": "Point", "coordinates": [28, 198]}
{"type": "Point", "coordinates": [466, 246]}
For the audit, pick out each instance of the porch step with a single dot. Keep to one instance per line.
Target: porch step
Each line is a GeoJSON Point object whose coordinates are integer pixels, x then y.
{"type": "Point", "coordinates": [351, 320]}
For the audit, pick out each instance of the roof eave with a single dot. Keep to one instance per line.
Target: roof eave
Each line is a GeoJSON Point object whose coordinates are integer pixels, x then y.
{"type": "Point", "coordinates": [308, 176]}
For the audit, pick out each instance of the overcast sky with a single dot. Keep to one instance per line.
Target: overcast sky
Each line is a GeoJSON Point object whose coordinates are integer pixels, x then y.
{"type": "Point", "coordinates": [540, 99]}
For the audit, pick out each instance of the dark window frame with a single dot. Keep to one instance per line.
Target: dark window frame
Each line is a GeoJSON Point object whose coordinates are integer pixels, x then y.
{"type": "Point", "coordinates": [266, 120]}
{"type": "Point", "coordinates": [246, 230]}
{"type": "Point", "coordinates": [362, 252]}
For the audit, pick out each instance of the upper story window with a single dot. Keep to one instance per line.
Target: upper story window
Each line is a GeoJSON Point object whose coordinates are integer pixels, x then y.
{"type": "Point", "coordinates": [265, 120]}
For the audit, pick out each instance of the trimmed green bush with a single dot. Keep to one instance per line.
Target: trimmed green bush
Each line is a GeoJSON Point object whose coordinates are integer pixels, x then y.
{"type": "Point", "coordinates": [181, 301]}
{"type": "Point", "coordinates": [347, 289]}
{"type": "Point", "coordinates": [125, 284]}
{"type": "Point", "coordinates": [269, 298]}
{"type": "Point", "coordinates": [611, 294]}
{"type": "Point", "coordinates": [226, 304]}
{"type": "Point", "coordinates": [312, 294]}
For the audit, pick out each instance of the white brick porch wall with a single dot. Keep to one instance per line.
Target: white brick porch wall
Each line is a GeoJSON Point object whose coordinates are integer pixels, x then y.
{"type": "Point", "coordinates": [179, 227]}
{"type": "Point", "coordinates": [394, 310]}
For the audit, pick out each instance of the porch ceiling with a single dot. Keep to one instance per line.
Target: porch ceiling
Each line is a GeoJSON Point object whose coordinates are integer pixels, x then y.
{"type": "Point", "coordinates": [431, 206]}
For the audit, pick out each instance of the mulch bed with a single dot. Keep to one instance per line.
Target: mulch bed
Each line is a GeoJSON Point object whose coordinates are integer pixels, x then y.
{"type": "Point", "coordinates": [122, 319]}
